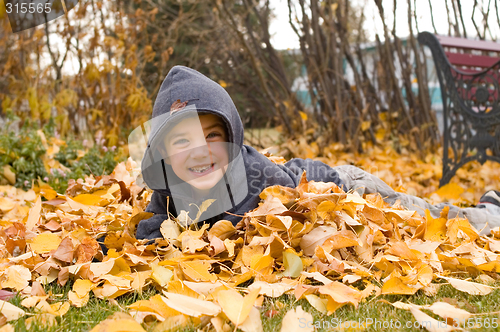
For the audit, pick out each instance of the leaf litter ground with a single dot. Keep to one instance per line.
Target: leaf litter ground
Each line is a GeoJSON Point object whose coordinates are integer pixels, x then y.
{"type": "Point", "coordinates": [330, 250]}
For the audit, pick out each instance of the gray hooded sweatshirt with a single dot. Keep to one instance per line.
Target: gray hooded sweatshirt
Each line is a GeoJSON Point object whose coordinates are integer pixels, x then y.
{"type": "Point", "coordinates": [248, 172]}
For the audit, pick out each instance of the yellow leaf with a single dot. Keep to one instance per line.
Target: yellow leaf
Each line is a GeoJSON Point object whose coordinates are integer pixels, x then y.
{"type": "Point", "coordinates": [82, 287]}
{"type": "Point", "coordinates": [450, 191]}
{"type": "Point", "coordinates": [222, 229]}
{"type": "Point", "coordinates": [204, 206]}
{"type": "Point", "coordinates": [430, 323]}
{"type": "Point", "coordinates": [6, 327]}
{"type": "Point", "coordinates": [197, 270]}
{"type": "Point", "coordinates": [118, 322]}
{"type": "Point", "coordinates": [342, 239]}
{"type": "Point", "coordinates": [380, 134]}
{"type": "Point", "coordinates": [34, 214]}
{"type": "Point", "coordinates": [45, 242]}
{"type": "Point", "coordinates": [365, 125]}
{"type": "Point", "coordinates": [236, 307]}
{"type": "Point", "coordinates": [318, 303]}
{"type": "Point", "coordinates": [190, 306]}
{"type": "Point", "coordinates": [469, 287]}
{"type": "Point", "coordinates": [460, 224]}
{"type": "Point", "coordinates": [47, 191]}
{"type": "Point", "coordinates": [58, 308]}
{"type": "Point", "coordinates": [9, 174]}
{"type": "Point", "coordinates": [173, 323]}
{"type": "Point", "coordinates": [341, 293]}
{"type": "Point", "coordinates": [425, 275]}
{"type": "Point", "coordinates": [253, 323]}
{"type": "Point", "coordinates": [161, 275]}
{"type": "Point", "coordinates": [303, 115]}
{"type": "Point", "coordinates": [395, 286]}
{"type": "Point", "coordinates": [446, 310]}
{"type": "Point", "coordinates": [169, 229]}
{"type": "Point", "coordinates": [10, 311]}
{"type": "Point", "coordinates": [262, 264]}
{"type": "Point", "coordinates": [6, 204]}
{"type": "Point", "coordinates": [315, 238]}
{"type": "Point", "coordinates": [76, 300]}
{"type": "Point", "coordinates": [272, 290]}
{"type": "Point", "coordinates": [88, 199]}
{"type": "Point", "coordinates": [223, 83]}
{"type": "Point", "coordinates": [292, 263]}
{"type": "Point", "coordinates": [99, 269]}
{"type": "Point", "coordinates": [493, 266]}
{"type": "Point", "coordinates": [435, 229]}
{"type": "Point", "coordinates": [155, 304]}
{"type": "Point", "coordinates": [297, 320]}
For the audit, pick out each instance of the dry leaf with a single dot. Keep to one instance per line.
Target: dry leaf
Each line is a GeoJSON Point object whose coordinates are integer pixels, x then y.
{"type": "Point", "coordinates": [316, 238]}
{"type": "Point", "coordinates": [446, 310]}
{"type": "Point", "coordinates": [297, 320]}
{"type": "Point", "coordinates": [236, 307]}
{"type": "Point", "coordinates": [469, 287]}
{"type": "Point", "coordinates": [34, 214]}
{"type": "Point", "coordinates": [45, 242]}
{"type": "Point", "coordinates": [190, 306]}
{"type": "Point", "coordinates": [118, 322]}
{"type": "Point", "coordinates": [10, 311]}
{"type": "Point", "coordinates": [293, 264]}
{"type": "Point", "coordinates": [430, 323]}
{"type": "Point", "coordinates": [253, 323]}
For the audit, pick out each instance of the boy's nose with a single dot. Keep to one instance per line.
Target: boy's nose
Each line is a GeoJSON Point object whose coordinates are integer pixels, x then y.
{"type": "Point", "coordinates": [201, 151]}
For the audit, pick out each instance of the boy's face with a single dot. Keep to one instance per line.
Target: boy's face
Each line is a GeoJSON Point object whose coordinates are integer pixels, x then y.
{"type": "Point", "coordinates": [198, 156]}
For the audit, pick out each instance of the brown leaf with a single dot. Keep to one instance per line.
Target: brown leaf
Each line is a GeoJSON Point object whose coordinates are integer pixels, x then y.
{"type": "Point", "coordinates": [86, 250]}
{"type": "Point", "coordinates": [65, 251]}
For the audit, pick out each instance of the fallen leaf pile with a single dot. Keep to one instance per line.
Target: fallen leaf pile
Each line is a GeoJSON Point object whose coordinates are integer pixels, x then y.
{"type": "Point", "coordinates": [315, 241]}
{"type": "Point", "coordinates": [405, 171]}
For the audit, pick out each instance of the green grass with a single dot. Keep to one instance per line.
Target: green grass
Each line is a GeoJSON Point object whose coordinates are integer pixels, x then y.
{"type": "Point", "coordinates": [84, 319]}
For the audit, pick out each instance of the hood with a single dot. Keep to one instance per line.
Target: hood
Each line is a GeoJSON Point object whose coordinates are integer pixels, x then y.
{"type": "Point", "coordinates": [188, 85]}
{"type": "Point", "coordinates": [184, 92]}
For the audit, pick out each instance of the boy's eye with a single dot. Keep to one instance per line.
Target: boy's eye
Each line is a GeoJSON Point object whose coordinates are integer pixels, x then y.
{"type": "Point", "coordinates": [181, 141]}
{"type": "Point", "coordinates": [213, 134]}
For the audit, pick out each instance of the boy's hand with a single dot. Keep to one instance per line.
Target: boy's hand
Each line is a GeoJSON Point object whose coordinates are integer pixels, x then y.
{"type": "Point", "coordinates": [150, 228]}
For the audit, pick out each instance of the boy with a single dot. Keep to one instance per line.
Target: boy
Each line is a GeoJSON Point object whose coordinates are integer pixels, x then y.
{"type": "Point", "coordinates": [195, 153]}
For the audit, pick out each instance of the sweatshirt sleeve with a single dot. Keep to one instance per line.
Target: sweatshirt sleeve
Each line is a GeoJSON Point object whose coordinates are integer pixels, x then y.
{"type": "Point", "coordinates": [315, 170]}
{"type": "Point", "coordinates": [150, 228]}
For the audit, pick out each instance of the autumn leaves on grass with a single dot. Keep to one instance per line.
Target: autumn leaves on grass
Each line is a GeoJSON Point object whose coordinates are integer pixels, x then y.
{"type": "Point", "coordinates": [315, 242]}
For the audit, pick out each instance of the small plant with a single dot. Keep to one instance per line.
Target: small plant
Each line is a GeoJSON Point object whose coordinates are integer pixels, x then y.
{"type": "Point", "coordinates": [24, 152]}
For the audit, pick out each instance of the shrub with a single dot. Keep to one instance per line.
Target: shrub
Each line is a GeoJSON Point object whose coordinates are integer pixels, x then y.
{"type": "Point", "coordinates": [22, 149]}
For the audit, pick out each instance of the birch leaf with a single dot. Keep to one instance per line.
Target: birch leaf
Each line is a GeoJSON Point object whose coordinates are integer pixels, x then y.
{"type": "Point", "coordinates": [297, 320]}
{"type": "Point", "coordinates": [253, 323]}
{"type": "Point", "coordinates": [190, 306]}
{"type": "Point", "coordinates": [10, 311]}
{"type": "Point", "coordinates": [293, 264]}
{"type": "Point", "coordinates": [472, 288]}
{"type": "Point", "coordinates": [236, 307]}
{"type": "Point", "coordinates": [431, 324]}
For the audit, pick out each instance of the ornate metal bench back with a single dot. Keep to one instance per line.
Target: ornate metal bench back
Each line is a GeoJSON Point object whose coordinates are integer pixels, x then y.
{"type": "Point", "coordinates": [471, 108]}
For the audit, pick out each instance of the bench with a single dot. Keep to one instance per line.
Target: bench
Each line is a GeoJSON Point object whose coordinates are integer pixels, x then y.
{"type": "Point", "coordinates": [469, 77]}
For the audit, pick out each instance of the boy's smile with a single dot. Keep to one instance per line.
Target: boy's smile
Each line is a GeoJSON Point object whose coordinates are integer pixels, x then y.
{"type": "Point", "coordinates": [197, 150]}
